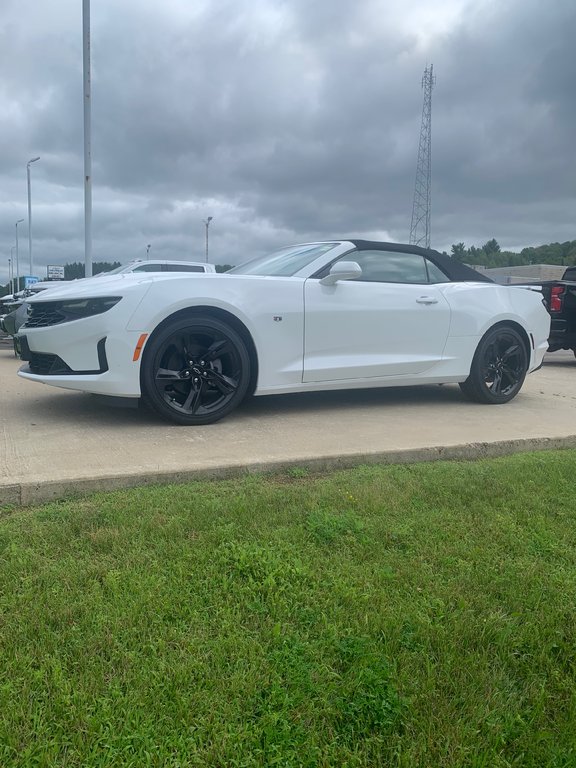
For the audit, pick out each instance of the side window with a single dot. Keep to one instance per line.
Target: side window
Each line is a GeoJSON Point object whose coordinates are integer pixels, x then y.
{"type": "Point", "coordinates": [147, 268]}
{"type": "Point", "coordinates": [389, 266]}
{"type": "Point", "coordinates": [183, 268]}
{"type": "Point", "coordinates": [435, 274]}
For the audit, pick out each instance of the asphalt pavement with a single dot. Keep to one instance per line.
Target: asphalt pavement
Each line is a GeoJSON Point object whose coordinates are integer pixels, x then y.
{"type": "Point", "coordinates": [55, 443]}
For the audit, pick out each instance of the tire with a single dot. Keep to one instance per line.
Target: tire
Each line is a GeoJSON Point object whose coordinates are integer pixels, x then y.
{"type": "Point", "coordinates": [195, 370]}
{"type": "Point", "coordinates": [499, 367]}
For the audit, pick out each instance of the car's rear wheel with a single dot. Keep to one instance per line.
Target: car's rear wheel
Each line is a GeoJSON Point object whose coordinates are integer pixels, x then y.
{"type": "Point", "coordinates": [195, 370]}
{"type": "Point", "coordinates": [499, 367]}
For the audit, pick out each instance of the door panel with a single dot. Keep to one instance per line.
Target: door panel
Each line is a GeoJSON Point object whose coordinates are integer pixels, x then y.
{"type": "Point", "coordinates": [359, 329]}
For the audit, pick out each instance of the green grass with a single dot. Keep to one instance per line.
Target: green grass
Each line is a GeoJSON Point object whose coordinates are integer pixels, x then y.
{"type": "Point", "coordinates": [384, 616]}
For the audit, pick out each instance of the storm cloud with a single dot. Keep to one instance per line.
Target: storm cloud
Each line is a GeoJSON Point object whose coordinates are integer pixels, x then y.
{"type": "Point", "coordinates": [286, 121]}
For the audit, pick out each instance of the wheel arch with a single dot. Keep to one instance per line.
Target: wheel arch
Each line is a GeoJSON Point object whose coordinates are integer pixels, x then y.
{"type": "Point", "coordinates": [224, 316]}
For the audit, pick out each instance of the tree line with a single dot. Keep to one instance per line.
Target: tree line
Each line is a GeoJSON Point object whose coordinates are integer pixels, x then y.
{"type": "Point", "coordinates": [76, 270]}
{"type": "Point", "coordinates": [491, 255]}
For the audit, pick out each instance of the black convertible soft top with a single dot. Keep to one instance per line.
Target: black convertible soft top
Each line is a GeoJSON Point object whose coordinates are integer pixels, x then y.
{"type": "Point", "coordinates": [457, 272]}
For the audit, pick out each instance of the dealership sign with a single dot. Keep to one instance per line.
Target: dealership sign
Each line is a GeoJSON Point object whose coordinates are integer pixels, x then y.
{"type": "Point", "coordinates": [55, 272]}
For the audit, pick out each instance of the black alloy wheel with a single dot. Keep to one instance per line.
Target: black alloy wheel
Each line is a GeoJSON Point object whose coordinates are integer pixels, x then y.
{"type": "Point", "coordinates": [499, 367]}
{"type": "Point", "coordinates": [195, 370]}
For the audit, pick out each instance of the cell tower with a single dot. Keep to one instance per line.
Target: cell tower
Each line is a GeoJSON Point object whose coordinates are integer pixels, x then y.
{"type": "Point", "coordinates": [420, 226]}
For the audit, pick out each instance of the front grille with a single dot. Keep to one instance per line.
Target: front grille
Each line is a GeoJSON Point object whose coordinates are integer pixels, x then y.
{"type": "Point", "coordinates": [48, 365]}
{"type": "Point", "coordinates": [42, 315]}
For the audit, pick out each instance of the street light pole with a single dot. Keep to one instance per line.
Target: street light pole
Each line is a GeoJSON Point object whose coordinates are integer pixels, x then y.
{"type": "Point", "coordinates": [28, 164]}
{"type": "Point", "coordinates": [207, 223]}
{"type": "Point", "coordinates": [17, 262]}
{"type": "Point", "coordinates": [87, 139]}
{"type": "Point", "coordinates": [10, 274]}
{"type": "Point", "coordinates": [147, 251]}
{"type": "Point", "coordinates": [12, 249]}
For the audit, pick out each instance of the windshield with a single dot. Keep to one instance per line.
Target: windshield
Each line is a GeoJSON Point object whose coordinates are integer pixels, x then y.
{"type": "Point", "coordinates": [283, 263]}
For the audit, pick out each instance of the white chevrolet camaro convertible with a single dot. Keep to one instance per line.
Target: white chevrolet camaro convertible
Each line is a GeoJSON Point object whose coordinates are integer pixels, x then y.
{"type": "Point", "coordinates": [333, 315]}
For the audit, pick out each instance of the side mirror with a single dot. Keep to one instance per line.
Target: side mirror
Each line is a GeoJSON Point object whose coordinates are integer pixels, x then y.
{"type": "Point", "coordinates": [342, 270]}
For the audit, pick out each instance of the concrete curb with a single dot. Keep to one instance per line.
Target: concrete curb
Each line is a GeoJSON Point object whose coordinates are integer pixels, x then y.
{"type": "Point", "coordinates": [26, 494]}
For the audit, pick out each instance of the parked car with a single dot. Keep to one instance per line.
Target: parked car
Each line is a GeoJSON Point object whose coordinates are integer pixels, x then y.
{"type": "Point", "coordinates": [137, 265]}
{"type": "Point", "coordinates": [319, 316]}
{"type": "Point", "coordinates": [5, 308]}
{"type": "Point", "coordinates": [9, 305]}
{"type": "Point", "coordinates": [11, 322]}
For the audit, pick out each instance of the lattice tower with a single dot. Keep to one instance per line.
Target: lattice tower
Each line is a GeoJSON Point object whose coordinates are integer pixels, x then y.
{"type": "Point", "coordinates": [420, 225]}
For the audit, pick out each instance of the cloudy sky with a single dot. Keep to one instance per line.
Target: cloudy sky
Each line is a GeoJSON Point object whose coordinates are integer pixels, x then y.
{"type": "Point", "coordinates": [285, 120]}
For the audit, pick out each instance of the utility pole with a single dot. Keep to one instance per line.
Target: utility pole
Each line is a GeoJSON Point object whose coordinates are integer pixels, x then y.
{"type": "Point", "coordinates": [421, 206]}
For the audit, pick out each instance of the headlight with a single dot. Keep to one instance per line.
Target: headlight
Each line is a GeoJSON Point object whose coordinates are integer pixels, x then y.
{"type": "Point", "coordinates": [87, 307]}
{"type": "Point", "coordinates": [44, 313]}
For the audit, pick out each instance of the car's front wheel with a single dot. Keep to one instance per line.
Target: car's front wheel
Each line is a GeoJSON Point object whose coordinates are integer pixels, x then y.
{"type": "Point", "coordinates": [499, 367]}
{"type": "Point", "coordinates": [195, 370]}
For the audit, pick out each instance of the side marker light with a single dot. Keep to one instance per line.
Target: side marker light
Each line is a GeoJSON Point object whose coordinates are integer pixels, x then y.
{"type": "Point", "coordinates": [139, 346]}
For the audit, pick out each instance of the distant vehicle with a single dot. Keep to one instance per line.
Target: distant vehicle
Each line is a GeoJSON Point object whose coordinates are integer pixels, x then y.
{"type": "Point", "coordinates": [343, 314]}
{"type": "Point", "coordinates": [138, 265]}
{"type": "Point", "coordinates": [17, 309]}
{"type": "Point", "coordinates": [8, 305]}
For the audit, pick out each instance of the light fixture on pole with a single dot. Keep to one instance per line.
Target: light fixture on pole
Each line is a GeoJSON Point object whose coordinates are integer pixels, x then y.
{"type": "Point", "coordinates": [17, 262]}
{"type": "Point", "coordinates": [207, 223]}
{"type": "Point", "coordinates": [28, 164]}
{"type": "Point", "coordinates": [148, 251]}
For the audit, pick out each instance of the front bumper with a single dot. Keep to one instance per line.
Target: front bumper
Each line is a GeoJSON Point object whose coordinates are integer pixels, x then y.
{"type": "Point", "coordinates": [101, 364]}
{"type": "Point", "coordinates": [43, 364]}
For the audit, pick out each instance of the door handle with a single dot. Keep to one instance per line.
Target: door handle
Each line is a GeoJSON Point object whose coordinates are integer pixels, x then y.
{"type": "Point", "coordinates": [426, 300]}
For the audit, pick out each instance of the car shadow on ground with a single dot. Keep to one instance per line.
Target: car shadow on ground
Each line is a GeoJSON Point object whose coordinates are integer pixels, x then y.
{"type": "Point", "coordinates": [561, 359]}
{"type": "Point", "coordinates": [353, 399]}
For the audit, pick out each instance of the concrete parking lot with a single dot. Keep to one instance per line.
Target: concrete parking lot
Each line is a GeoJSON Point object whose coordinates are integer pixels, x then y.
{"type": "Point", "coordinates": [57, 442]}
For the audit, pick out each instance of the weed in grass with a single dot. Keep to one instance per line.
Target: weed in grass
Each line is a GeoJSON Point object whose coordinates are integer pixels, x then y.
{"type": "Point", "coordinates": [259, 566]}
{"type": "Point", "coordinates": [298, 473]}
{"type": "Point", "coordinates": [370, 704]}
{"type": "Point", "coordinates": [326, 527]}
